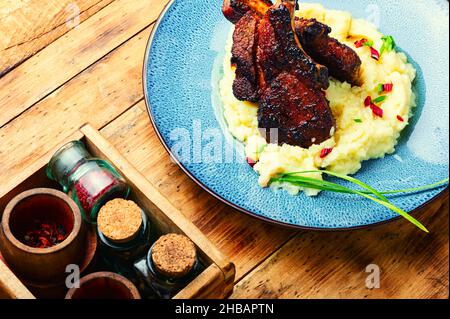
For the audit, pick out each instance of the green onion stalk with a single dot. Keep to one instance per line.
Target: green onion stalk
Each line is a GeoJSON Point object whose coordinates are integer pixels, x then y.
{"type": "Point", "coordinates": [366, 191]}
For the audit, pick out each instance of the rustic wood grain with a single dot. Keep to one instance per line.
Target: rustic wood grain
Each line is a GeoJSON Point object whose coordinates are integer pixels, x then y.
{"type": "Point", "coordinates": [93, 74]}
{"type": "Point", "coordinates": [38, 23]}
{"type": "Point", "coordinates": [206, 286]}
{"type": "Point", "coordinates": [217, 279]}
{"type": "Point", "coordinates": [97, 95]}
{"type": "Point", "coordinates": [155, 202]}
{"type": "Point", "coordinates": [72, 53]}
{"type": "Point", "coordinates": [332, 265]}
{"type": "Point", "coordinates": [167, 218]}
{"type": "Point", "coordinates": [24, 259]}
{"type": "Point", "coordinates": [10, 286]}
{"type": "Point", "coordinates": [245, 240]}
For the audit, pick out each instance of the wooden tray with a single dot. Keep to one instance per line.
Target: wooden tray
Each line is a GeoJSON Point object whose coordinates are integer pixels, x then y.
{"type": "Point", "coordinates": [217, 279]}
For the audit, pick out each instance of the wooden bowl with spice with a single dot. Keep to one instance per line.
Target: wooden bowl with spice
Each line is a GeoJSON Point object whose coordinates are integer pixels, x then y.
{"type": "Point", "coordinates": [104, 285]}
{"type": "Point", "coordinates": [58, 289]}
{"type": "Point", "coordinates": [41, 233]}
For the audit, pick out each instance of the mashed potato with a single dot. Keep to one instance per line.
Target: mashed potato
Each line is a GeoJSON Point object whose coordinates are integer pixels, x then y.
{"type": "Point", "coordinates": [359, 134]}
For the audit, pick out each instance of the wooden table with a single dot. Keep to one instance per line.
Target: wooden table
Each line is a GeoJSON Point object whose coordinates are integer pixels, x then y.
{"type": "Point", "coordinates": [67, 62]}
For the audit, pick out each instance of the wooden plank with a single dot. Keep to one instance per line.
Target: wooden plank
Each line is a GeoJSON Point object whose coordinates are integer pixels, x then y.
{"type": "Point", "coordinates": [332, 265]}
{"type": "Point", "coordinates": [29, 26]}
{"type": "Point", "coordinates": [213, 282]}
{"type": "Point", "coordinates": [97, 95]}
{"type": "Point", "coordinates": [170, 219]}
{"type": "Point", "coordinates": [20, 183]}
{"type": "Point", "coordinates": [112, 85]}
{"type": "Point", "coordinates": [10, 286]}
{"type": "Point", "coordinates": [72, 53]}
{"type": "Point", "coordinates": [158, 204]}
{"type": "Point", "coordinates": [245, 240]}
{"type": "Point", "coordinates": [206, 285]}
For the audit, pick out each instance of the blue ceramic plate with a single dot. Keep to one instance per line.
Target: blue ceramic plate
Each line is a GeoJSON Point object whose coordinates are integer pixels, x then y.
{"type": "Point", "coordinates": [181, 72]}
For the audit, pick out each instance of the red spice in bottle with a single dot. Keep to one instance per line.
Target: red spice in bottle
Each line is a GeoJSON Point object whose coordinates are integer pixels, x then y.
{"type": "Point", "coordinates": [91, 182]}
{"type": "Point", "coordinates": [92, 186]}
{"type": "Point", "coordinates": [44, 234]}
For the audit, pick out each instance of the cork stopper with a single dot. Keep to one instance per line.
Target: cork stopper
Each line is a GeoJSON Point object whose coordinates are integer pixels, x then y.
{"type": "Point", "coordinates": [120, 220]}
{"type": "Point", "coordinates": [174, 255]}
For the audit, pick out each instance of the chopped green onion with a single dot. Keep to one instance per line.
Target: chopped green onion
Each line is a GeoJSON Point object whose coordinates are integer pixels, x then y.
{"type": "Point", "coordinates": [358, 120]}
{"type": "Point", "coordinates": [368, 43]}
{"type": "Point", "coordinates": [307, 182]}
{"type": "Point", "coordinates": [380, 88]}
{"type": "Point", "coordinates": [364, 42]}
{"type": "Point", "coordinates": [379, 99]}
{"type": "Point", "coordinates": [388, 44]}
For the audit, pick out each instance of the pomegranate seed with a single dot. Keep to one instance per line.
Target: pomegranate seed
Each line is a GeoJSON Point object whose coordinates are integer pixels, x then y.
{"type": "Point", "coordinates": [325, 152]}
{"type": "Point", "coordinates": [368, 101]}
{"type": "Point", "coordinates": [388, 87]}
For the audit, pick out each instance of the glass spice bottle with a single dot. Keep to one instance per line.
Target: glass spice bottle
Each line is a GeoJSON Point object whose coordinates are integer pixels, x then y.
{"type": "Point", "coordinates": [124, 234]}
{"type": "Point", "coordinates": [91, 182]}
{"type": "Point", "coordinates": [169, 266]}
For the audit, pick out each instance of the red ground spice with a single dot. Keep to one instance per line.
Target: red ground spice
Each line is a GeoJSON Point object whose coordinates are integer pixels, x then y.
{"type": "Point", "coordinates": [44, 234]}
{"type": "Point", "coordinates": [92, 186]}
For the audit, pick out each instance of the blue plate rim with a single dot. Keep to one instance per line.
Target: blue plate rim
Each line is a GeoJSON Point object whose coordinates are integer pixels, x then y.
{"type": "Point", "coordinates": [439, 197]}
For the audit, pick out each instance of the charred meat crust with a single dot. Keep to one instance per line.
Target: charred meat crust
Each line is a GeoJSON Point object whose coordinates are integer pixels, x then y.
{"type": "Point", "coordinates": [291, 97]}
{"type": "Point", "coordinates": [234, 10]}
{"type": "Point", "coordinates": [279, 49]}
{"type": "Point", "coordinates": [343, 63]}
{"type": "Point", "coordinates": [245, 86]}
{"type": "Point", "coordinates": [273, 69]}
{"type": "Point", "coordinates": [301, 119]}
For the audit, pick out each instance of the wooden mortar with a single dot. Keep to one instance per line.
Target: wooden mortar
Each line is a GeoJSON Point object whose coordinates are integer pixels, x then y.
{"type": "Point", "coordinates": [41, 264]}
{"type": "Point", "coordinates": [58, 289]}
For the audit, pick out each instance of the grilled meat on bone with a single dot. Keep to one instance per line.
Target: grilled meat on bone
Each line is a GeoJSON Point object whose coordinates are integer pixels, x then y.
{"type": "Point", "coordinates": [245, 36]}
{"type": "Point", "coordinates": [279, 49]}
{"type": "Point", "coordinates": [234, 10]}
{"type": "Point", "coordinates": [273, 69]}
{"type": "Point", "coordinates": [342, 62]}
{"type": "Point", "coordinates": [245, 86]}
{"type": "Point", "coordinates": [290, 99]}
